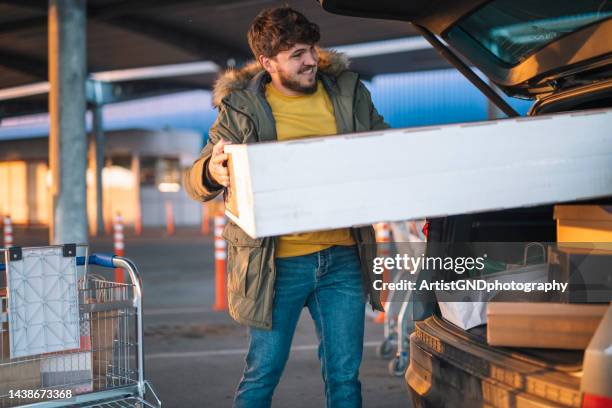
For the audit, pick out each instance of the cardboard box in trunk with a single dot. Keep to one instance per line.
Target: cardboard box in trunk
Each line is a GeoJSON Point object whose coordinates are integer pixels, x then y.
{"type": "Point", "coordinates": [584, 224]}
{"type": "Point", "coordinates": [345, 180]}
{"type": "Point", "coordinates": [588, 272]}
{"type": "Point", "coordinates": [542, 325]}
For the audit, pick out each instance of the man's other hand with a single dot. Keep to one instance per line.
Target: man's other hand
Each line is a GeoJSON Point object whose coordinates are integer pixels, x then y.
{"type": "Point", "coordinates": [217, 166]}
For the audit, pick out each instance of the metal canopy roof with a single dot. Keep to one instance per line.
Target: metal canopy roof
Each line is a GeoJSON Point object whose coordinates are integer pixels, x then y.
{"type": "Point", "coordinates": [124, 34]}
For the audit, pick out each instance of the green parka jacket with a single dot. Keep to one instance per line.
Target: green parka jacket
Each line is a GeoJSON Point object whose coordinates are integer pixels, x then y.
{"type": "Point", "coordinates": [246, 117]}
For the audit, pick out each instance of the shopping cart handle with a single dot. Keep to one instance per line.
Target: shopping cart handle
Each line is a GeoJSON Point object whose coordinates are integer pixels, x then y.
{"type": "Point", "coordinates": [105, 260]}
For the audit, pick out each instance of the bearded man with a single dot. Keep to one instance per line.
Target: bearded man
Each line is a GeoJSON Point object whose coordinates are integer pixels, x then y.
{"type": "Point", "coordinates": [293, 90]}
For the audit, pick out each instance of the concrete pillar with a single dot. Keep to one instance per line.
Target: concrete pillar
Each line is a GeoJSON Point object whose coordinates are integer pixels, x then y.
{"type": "Point", "coordinates": [67, 137]}
{"type": "Point", "coordinates": [98, 143]}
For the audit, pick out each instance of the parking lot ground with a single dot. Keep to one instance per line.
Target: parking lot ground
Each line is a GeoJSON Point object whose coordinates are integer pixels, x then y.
{"type": "Point", "coordinates": [194, 356]}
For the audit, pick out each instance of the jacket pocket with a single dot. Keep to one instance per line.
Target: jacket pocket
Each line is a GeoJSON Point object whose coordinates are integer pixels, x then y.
{"type": "Point", "coordinates": [244, 262]}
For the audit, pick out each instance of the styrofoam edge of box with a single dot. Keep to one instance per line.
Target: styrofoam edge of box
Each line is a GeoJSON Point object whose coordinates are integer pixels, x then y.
{"type": "Point", "coordinates": [244, 192]}
{"type": "Point", "coordinates": [248, 190]}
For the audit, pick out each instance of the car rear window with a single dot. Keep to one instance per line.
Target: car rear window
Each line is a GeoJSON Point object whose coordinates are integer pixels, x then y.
{"type": "Point", "coordinates": [511, 29]}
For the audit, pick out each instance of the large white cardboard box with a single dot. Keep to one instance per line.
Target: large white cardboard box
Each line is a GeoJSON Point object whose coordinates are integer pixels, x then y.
{"type": "Point", "coordinates": [399, 174]}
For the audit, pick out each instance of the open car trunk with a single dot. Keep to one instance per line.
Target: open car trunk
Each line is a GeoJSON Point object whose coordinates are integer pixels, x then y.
{"type": "Point", "coordinates": [560, 55]}
{"type": "Point", "coordinates": [526, 48]}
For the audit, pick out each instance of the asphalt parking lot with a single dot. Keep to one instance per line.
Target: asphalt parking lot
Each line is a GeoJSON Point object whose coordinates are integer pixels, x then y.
{"type": "Point", "coordinates": [194, 355]}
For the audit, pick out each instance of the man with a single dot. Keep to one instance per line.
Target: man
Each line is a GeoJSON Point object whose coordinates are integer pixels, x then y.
{"type": "Point", "coordinates": [292, 90]}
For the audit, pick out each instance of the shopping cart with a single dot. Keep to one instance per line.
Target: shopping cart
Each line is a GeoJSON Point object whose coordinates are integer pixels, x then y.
{"type": "Point", "coordinates": [106, 369]}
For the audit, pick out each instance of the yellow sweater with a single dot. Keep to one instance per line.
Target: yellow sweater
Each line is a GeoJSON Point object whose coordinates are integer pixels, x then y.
{"type": "Point", "coordinates": [298, 117]}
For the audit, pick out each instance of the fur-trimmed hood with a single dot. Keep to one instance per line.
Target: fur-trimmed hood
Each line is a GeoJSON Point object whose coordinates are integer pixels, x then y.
{"type": "Point", "coordinates": [330, 62]}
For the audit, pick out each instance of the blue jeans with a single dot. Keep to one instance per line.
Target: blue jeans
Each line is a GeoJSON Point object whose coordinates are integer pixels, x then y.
{"type": "Point", "coordinates": [329, 283]}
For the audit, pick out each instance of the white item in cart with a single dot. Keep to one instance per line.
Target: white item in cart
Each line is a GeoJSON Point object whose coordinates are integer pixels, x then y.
{"type": "Point", "coordinates": [345, 180]}
{"type": "Point", "coordinates": [43, 302]}
{"type": "Point", "coordinates": [70, 371]}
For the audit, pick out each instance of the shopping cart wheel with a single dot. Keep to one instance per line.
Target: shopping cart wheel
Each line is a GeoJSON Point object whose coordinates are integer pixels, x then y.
{"type": "Point", "coordinates": [386, 349]}
{"type": "Point", "coordinates": [397, 366]}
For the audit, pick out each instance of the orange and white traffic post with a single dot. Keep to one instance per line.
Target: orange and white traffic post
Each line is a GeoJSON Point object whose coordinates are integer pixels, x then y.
{"type": "Point", "coordinates": [8, 231]}
{"type": "Point", "coordinates": [383, 239]}
{"type": "Point", "coordinates": [169, 218]}
{"type": "Point", "coordinates": [118, 245]}
{"type": "Point", "coordinates": [220, 265]}
{"type": "Point", "coordinates": [205, 229]}
{"type": "Point", "coordinates": [138, 222]}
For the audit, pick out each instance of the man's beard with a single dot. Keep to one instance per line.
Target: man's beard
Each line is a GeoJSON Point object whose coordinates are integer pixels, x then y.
{"type": "Point", "coordinates": [293, 84]}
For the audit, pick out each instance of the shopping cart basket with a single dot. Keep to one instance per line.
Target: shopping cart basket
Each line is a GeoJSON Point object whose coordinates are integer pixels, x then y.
{"type": "Point", "coordinates": [106, 368]}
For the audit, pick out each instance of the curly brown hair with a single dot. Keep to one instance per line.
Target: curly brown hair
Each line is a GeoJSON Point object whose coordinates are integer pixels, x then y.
{"type": "Point", "coordinates": [278, 29]}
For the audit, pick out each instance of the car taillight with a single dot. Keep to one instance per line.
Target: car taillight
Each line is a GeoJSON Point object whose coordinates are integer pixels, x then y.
{"type": "Point", "coordinates": [426, 229]}
{"type": "Point", "coordinates": [596, 401]}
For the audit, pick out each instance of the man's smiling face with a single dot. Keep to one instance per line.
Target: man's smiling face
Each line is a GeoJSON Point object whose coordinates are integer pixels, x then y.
{"type": "Point", "coordinates": [295, 68]}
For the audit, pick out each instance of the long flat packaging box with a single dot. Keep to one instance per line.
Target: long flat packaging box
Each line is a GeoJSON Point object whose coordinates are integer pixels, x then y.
{"type": "Point", "coordinates": [401, 174]}
{"type": "Point", "coordinates": [542, 325]}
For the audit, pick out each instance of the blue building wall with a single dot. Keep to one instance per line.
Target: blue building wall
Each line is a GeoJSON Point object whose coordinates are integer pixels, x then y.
{"type": "Point", "coordinates": [432, 97]}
